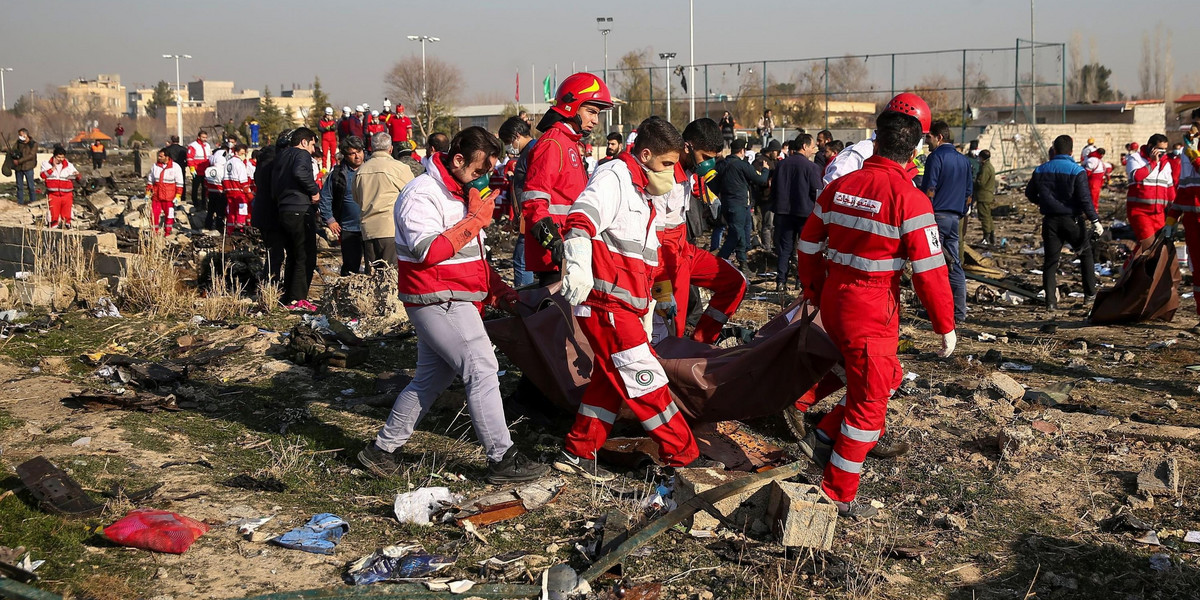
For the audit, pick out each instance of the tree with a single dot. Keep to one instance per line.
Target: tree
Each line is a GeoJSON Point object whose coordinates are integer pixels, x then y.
{"type": "Point", "coordinates": [163, 96]}
{"type": "Point", "coordinates": [1089, 80]}
{"type": "Point", "coordinates": [320, 101]}
{"type": "Point", "coordinates": [631, 79]}
{"type": "Point", "coordinates": [848, 75]}
{"type": "Point", "coordinates": [442, 82]}
{"type": "Point", "coordinates": [272, 119]}
{"type": "Point", "coordinates": [23, 106]}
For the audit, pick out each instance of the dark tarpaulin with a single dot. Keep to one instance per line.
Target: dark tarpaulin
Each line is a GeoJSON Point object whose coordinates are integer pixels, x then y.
{"type": "Point", "coordinates": [790, 356]}
{"type": "Point", "coordinates": [1147, 290]}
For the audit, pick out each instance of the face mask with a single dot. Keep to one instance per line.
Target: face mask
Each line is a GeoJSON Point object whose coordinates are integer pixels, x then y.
{"type": "Point", "coordinates": [707, 170]}
{"type": "Point", "coordinates": [660, 182]}
{"type": "Point", "coordinates": [481, 184]}
{"type": "Point", "coordinates": [512, 150]}
{"type": "Point", "coordinates": [920, 145]}
{"type": "Point", "coordinates": [23, 138]}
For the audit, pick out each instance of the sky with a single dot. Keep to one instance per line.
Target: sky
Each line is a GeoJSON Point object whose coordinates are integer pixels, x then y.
{"type": "Point", "coordinates": [351, 44]}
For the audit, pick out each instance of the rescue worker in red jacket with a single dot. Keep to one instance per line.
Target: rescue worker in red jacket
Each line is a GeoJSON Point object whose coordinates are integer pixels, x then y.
{"type": "Point", "coordinates": [444, 280]}
{"type": "Point", "coordinates": [350, 123]}
{"type": "Point", "coordinates": [60, 177]}
{"type": "Point", "coordinates": [1186, 208]}
{"type": "Point", "coordinates": [328, 128]}
{"type": "Point", "coordinates": [164, 187]}
{"type": "Point", "coordinates": [236, 185]}
{"type": "Point", "coordinates": [865, 226]}
{"type": "Point", "coordinates": [1151, 189]}
{"type": "Point", "coordinates": [682, 263]}
{"type": "Point", "coordinates": [1097, 174]}
{"type": "Point", "coordinates": [372, 127]}
{"type": "Point", "coordinates": [557, 174]}
{"type": "Point", "coordinates": [610, 256]}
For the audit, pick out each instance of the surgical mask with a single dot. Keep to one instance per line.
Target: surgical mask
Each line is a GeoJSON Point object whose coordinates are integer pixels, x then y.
{"type": "Point", "coordinates": [22, 138]}
{"type": "Point", "coordinates": [660, 182]}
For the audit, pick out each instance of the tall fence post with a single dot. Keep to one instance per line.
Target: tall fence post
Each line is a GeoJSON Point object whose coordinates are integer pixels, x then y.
{"type": "Point", "coordinates": [1016, 79]}
{"type": "Point", "coordinates": [962, 136]}
{"type": "Point", "coordinates": [764, 86]}
{"type": "Point", "coordinates": [650, 106]}
{"type": "Point", "coordinates": [706, 91]}
{"type": "Point", "coordinates": [826, 92]}
{"type": "Point", "coordinates": [893, 74]}
{"type": "Point", "coordinates": [1063, 87]}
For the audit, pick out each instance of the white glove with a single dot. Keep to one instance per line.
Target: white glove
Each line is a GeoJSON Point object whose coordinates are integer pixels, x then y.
{"type": "Point", "coordinates": [1098, 228]}
{"type": "Point", "coordinates": [577, 281]}
{"type": "Point", "coordinates": [949, 341]}
{"type": "Point", "coordinates": [648, 320]}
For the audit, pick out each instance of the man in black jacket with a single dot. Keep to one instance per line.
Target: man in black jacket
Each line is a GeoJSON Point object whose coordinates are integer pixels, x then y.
{"type": "Point", "coordinates": [794, 189]}
{"type": "Point", "coordinates": [1059, 188]}
{"type": "Point", "coordinates": [296, 194]}
{"type": "Point", "coordinates": [735, 178]}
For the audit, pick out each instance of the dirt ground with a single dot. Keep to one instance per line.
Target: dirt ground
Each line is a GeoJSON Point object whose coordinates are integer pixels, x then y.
{"type": "Point", "coordinates": [1000, 497]}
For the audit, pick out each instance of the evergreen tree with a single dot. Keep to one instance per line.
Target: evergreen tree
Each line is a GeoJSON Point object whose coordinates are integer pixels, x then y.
{"type": "Point", "coordinates": [320, 101]}
{"type": "Point", "coordinates": [271, 119]}
{"type": "Point", "coordinates": [163, 96]}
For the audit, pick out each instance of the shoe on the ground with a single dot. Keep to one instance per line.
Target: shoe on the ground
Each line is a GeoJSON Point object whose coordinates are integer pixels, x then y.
{"type": "Point", "coordinates": [588, 469]}
{"type": "Point", "coordinates": [378, 461]}
{"type": "Point", "coordinates": [515, 467]}
{"type": "Point", "coordinates": [817, 450]}
{"type": "Point", "coordinates": [855, 509]}
{"type": "Point", "coordinates": [1088, 300]}
{"type": "Point", "coordinates": [889, 446]}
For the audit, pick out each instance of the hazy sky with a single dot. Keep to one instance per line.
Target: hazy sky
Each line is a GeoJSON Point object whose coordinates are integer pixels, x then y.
{"type": "Point", "coordinates": [350, 44]}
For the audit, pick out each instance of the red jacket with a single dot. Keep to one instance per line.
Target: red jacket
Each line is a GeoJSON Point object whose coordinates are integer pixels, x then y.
{"type": "Point", "coordinates": [198, 155]}
{"type": "Point", "coordinates": [327, 126]}
{"type": "Point", "coordinates": [164, 183]}
{"type": "Point", "coordinates": [398, 126]}
{"type": "Point", "coordinates": [350, 126]}
{"type": "Point", "coordinates": [865, 226]}
{"type": "Point", "coordinates": [618, 215]}
{"type": "Point", "coordinates": [1151, 182]}
{"type": "Point", "coordinates": [555, 178]}
{"type": "Point", "coordinates": [1188, 198]}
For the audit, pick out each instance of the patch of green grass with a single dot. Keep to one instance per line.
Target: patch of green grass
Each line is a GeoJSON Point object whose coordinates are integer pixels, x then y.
{"type": "Point", "coordinates": [7, 421]}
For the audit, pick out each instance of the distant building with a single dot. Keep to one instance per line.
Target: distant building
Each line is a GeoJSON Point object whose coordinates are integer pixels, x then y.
{"type": "Point", "coordinates": [208, 93]}
{"type": "Point", "coordinates": [491, 116]}
{"type": "Point", "coordinates": [105, 93]}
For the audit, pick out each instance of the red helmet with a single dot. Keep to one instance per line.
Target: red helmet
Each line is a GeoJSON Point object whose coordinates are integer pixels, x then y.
{"type": "Point", "coordinates": [580, 89]}
{"type": "Point", "coordinates": [913, 106]}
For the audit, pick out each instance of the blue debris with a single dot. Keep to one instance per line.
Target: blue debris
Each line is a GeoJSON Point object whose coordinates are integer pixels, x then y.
{"type": "Point", "coordinates": [319, 536]}
{"type": "Point", "coordinates": [396, 563]}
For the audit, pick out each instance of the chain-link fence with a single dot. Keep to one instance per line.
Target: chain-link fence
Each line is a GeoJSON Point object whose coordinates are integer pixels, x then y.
{"type": "Point", "coordinates": [962, 87]}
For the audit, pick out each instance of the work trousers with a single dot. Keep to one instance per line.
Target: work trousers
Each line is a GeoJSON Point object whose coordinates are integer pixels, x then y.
{"type": "Point", "coordinates": [273, 243]}
{"type": "Point", "coordinates": [947, 223]}
{"type": "Point", "coordinates": [787, 231]}
{"type": "Point", "coordinates": [1190, 222]}
{"type": "Point", "coordinates": [686, 265]}
{"type": "Point", "coordinates": [1145, 219]}
{"type": "Point", "coordinates": [863, 319]}
{"type": "Point", "coordinates": [984, 209]}
{"type": "Point", "coordinates": [329, 148]}
{"type": "Point", "coordinates": [300, 241]}
{"type": "Point", "coordinates": [25, 182]}
{"type": "Point", "coordinates": [626, 371]}
{"type": "Point", "coordinates": [162, 215]}
{"type": "Point", "coordinates": [379, 249]}
{"type": "Point", "coordinates": [352, 252]}
{"type": "Point", "coordinates": [521, 277]}
{"type": "Point", "coordinates": [61, 204]}
{"type": "Point", "coordinates": [214, 218]}
{"type": "Point", "coordinates": [1057, 231]}
{"type": "Point", "coordinates": [451, 341]}
{"type": "Point", "coordinates": [1095, 184]}
{"type": "Point", "coordinates": [237, 211]}
{"type": "Point", "coordinates": [765, 228]}
{"type": "Point", "coordinates": [198, 187]}
{"type": "Point", "coordinates": [737, 232]}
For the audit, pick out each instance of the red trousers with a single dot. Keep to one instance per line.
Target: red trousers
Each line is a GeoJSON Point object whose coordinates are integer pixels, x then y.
{"type": "Point", "coordinates": [162, 215]}
{"type": "Point", "coordinates": [1191, 235]}
{"type": "Point", "coordinates": [1095, 184]}
{"type": "Point", "coordinates": [329, 143]}
{"type": "Point", "coordinates": [1145, 219]}
{"type": "Point", "coordinates": [61, 204]}
{"type": "Point", "coordinates": [686, 265]}
{"type": "Point", "coordinates": [237, 211]}
{"type": "Point", "coordinates": [863, 319]}
{"type": "Point", "coordinates": [626, 371]}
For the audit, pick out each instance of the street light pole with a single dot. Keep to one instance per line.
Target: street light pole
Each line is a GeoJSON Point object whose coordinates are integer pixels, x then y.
{"type": "Point", "coordinates": [178, 94]}
{"type": "Point", "coordinates": [424, 79]}
{"type": "Point", "coordinates": [3, 96]}
{"type": "Point", "coordinates": [604, 24]}
{"type": "Point", "coordinates": [692, 61]}
{"type": "Point", "coordinates": [667, 56]}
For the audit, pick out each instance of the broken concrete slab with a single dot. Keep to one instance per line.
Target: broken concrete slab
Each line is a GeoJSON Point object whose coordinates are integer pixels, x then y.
{"type": "Point", "coordinates": [743, 508]}
{"type": "Point", "coordinates": [1001, 386]}
{"type": "Point", "coordinates": [1014, 441]}
{"type": "Point", "coordinates": [1074, 422]}
{"type": "Point", "coordinates": [1156, 433]}
{"type": "Point", "coordinates": [116, 263]}
{"type": "Point", "coordinates": [1159, 478]}
{"type": "Point", "coordinates": [801, 515]}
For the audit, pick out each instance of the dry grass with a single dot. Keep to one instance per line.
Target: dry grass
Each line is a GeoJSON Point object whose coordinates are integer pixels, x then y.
{"type": "Point", "coordinates": [224, 300]}
{"type": "Point", "coordinates": [270, 295]}
{"type": "Point", "coordinates": [152, 284]}
{"type": "Point", "coordinates": [287, 456]}
{"type": "Point", "coordinates": [60, 261]}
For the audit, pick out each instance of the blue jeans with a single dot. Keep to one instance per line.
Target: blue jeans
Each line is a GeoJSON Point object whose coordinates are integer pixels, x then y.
{"type": "Point", "coordinates": [948, 230]}
{"type": "Point", "coordinates": [521, 277]}
{"type": "Point", "coordinates": [714, 241]}
{"type": "Point", "coordinates": [737, 233]}
{"type": "Point", "coordinates": [28, 177]}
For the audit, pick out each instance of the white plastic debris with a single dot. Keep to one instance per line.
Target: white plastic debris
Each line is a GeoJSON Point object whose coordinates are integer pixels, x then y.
{"type": "Point", "coordinates": [910, 376]}
{"type": "Point", "coordinates": [1192, 537]}
{"type": "Point", "coordinates": [1103, 380]}
{"type": "Point", "coordinates": [249, 526]}
{"type": "Point", "coordinates": [1011, 299]}
{"type": "Point", "coordinates": [1018, 367]}
{"type": "Point", "coordinates": [418, 506]}
{"type": "Point", "coordinates": [106, 308]}
{"type": "Point", "coordinates": [986, 337]}
{"type": "Point", "coordinates": [83, 441]}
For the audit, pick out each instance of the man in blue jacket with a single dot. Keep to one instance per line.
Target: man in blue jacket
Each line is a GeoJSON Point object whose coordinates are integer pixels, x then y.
{"type": "Point", "coordinates": [795, 188]}
{"type": "Point", "coordinates": [1059, 188]}
{"type": "Point", "coordinates": [735, 178]}
{"type": "Point", "coordinates": [948, 184]}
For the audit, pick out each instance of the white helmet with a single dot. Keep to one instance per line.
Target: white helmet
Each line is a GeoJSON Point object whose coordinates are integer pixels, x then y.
{"type": "Point", "coordinates": [346, 110]}
{"type": "Point", "coordinates": [329, 110]}
{"type": "Point", "coordinates": [358, 108]}
{"type": "Point", "coordinates": [366, 106]}
{"type": "Point", "coordinates": [374, 113]}
{"type": "Point", "coordinates": [387, 104]}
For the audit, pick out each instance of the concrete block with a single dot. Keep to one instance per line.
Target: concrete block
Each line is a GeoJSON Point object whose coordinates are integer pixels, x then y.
{"type": "Point", "coordinates": [31, 293]}
{"type": "Point", "coordinates": [801, 515]}
{"type": "Point", "coordinates": [1159, 478]}
{"type": "Point", "coordinates": [16, 253]}
{"type": "Point", "coordinates": [1001, 386]}
{"type": "Point", "coordinates": [1156, 433]}
{"type": "Point", "coordinates": [743, 508]}
{"type": "Point", "coordinates": [116, 263]}
{"type": "Point", "coordinates": [98, 201]}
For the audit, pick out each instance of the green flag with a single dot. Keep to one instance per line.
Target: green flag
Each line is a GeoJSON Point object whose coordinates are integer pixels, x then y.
{"type": "Point", "coordinates": [547, 90]}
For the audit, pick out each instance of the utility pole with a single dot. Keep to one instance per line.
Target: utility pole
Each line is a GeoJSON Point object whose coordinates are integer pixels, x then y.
{"type": "Point", "coordinates": [425, 80]}
{"type": "Point", "coordinates": [604, 24]}
{"type": "Point", "coordinates": [178, 94]}
{"type": "Point", "coordinates": [667, 56]}
{"type": "Point", "coordinates": [3, 96]}
{"type": "Point", "coordinates": [1033, 67]}
{"type": "Point", "coordinates": [691, 74]}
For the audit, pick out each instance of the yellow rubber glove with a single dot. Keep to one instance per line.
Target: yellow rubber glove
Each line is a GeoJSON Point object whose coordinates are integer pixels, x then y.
{"type": "Point", "coordinates": [664, 294]}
